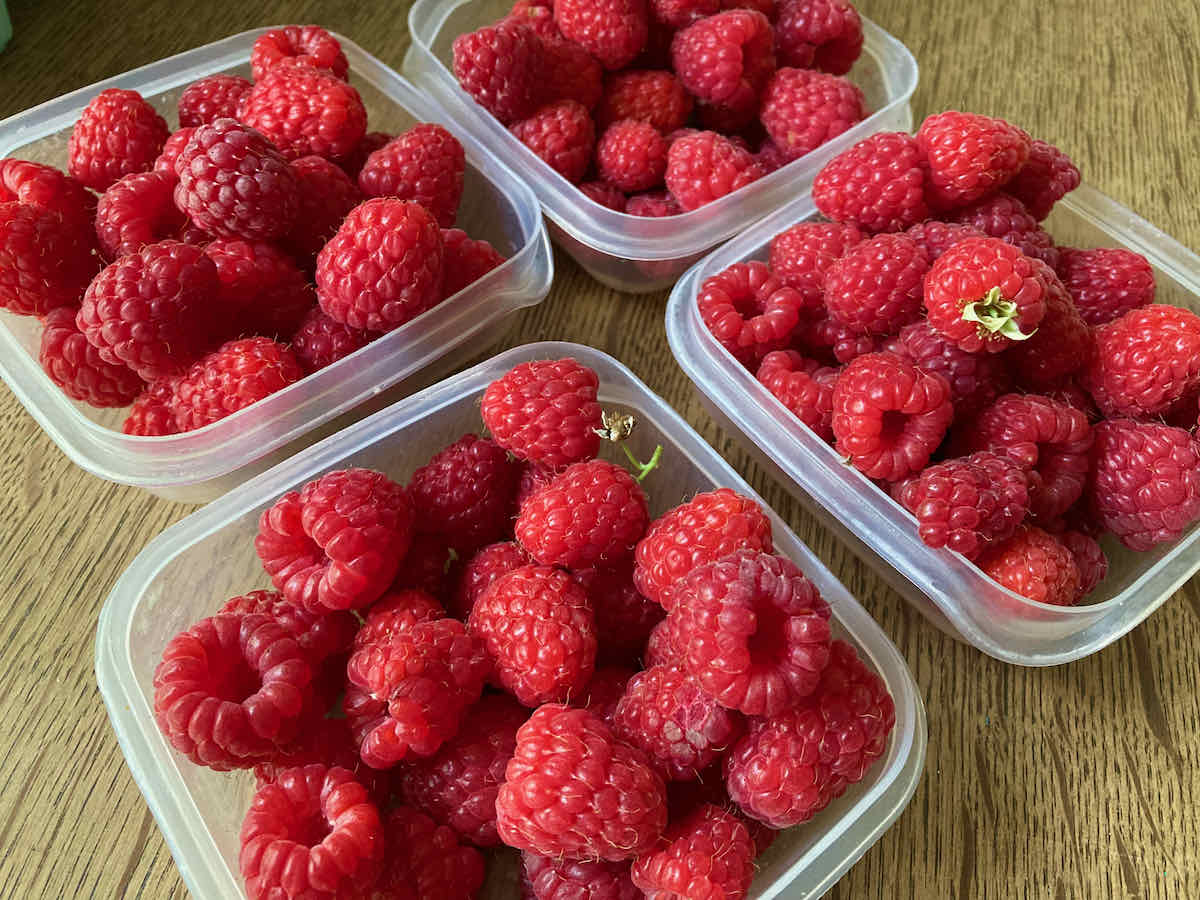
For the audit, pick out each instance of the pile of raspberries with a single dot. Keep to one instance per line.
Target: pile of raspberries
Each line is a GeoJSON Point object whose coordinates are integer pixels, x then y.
{"type": "Point", "coordinates": [509, 651]}
{"type": "Point", "coordinates": [268, 237]}
{"type": "Point", "coordinates": [657, 108]}
{"type": "Point", "coordinates": [1019, 399]}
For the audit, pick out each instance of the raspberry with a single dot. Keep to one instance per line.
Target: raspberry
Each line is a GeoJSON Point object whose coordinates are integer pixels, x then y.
{"type": "Point", "coordinates": [117, 133]}
{"type": "Point", "coordinates": [538, 629]}
{"type": "Point", "coordinates": [352, 163]}
{"type": "Point", "coordinates": [533, 477]}
{"type": "Point", "coordinates": [889, 416]}
{"type": "Point", "coordinates": [723, 57]}
{"type": "Point", "coordinates": [485, 566]}
{"type": "Point", "coordinates": [320, 341]}
{"type": "Point", "coordinates": [878, 184]}
{"type": "Point", "coordinates": [803, 386]}
{"type": "Point", "coordinates": [383, 267]}
{"type": "Point", "coordinates": [1061, 345]}
{"type": "Point", "coordinates": [1144, 361]}
{"type": "Point", "coordinates": [311, 45]}
{"type": "Point", "coordinates": [624, 617]}
{"type": "Point", "coordinates": [604, 692]}
{"type": "Point", "coordinates": [465, 493]}
{"type": "Point", "coordinates": [802, 109]}
{"type": "Point", "coordinates": [234, 376]}
{"type": "Point", "coordinates": [749, 310]}
{"type": "Point", "coordinates": [151, 414]}
{"type": "Point", "coordinates": [45, 186]}
{"type": "Point", "coordinates": [394, 612]}
{"type": "Point", "coordinates": [537, 15]}
{"type": "Point", "coordinates": [660, 646]}
{"type": "Point", "coordinates": [1089, 558]}
{"type": "Point", "coordinates": [336, 544]}
{"type": "Point", "coordinates": [552, 878]}
{"type": "Point", "coordinates": [653, 205]}
{"type": "Point", "coordinates": [1003, 216]}
{"type": "Point", "coordinates": [466, 261]}
{"type": "Point", "coordinates": [681, 13]}
{"type": "Point", "coordinates": [562, 135]}
{"type": "Point", "coordinates": [826, 340]}
{"type": "Point", "coordinates": [975, 379]}
{"type": "Point", "coordinates": [499, 67]}
{"type": "Point", "coordinates": [786, 770]}
{"type": "Point", "coordinates": [983, 294]}
{"type": "Point", "coordinates": [571, 73]}
{"type": "Point", "coordinates": [429, 566]}
{"type": "Point", "coordinates": [230, 690]}
{"type": "Point", "coordinates": [766, 7]}
{"type": "Point", "coordinates": [424, 859]}
{"type": "Point", "coordinates": [632, 155]}
{"type": "Point", "coordinates": [821, 34]}
{"type": "Point", "coordinates": [327, 742]}
{"type": "Point", "coordinates": [215, 97]}
{"type": "Point", "coordinates": [572, 789]}
{"type": "Point", "coordinates": [969, 156]}
{"type": "Point", "coordinates": [326, 194]}
{"type": "Point", "coordinates": [45, 261]}
{"type": "Point", "coordinates": [708, 854]}
{"type": "Point", "coordinates": [1035, 565]}
{"type": "Point", "coordinates": [1106, 284]}
{"type": "Point", "coordinates": [306, 112]}
{"type": "Point", "coordinates": [1047, 176]}
{"type": "Point", "coordinates": [801, 256]}
{"type": "Point", "coordinates": [613, 31]}
{"type": "Point", "coordinates": [604, 194]}
{"type": "Point", "coordinates": [704, 167]}
{"type": "Point", "coordinates": [319, 636]}
{"type": "Point", "coordinates": [76, 367]}
{"type": "Point", "coordinates": [738, 113]}
{"type": "Point", "coordinates": [770, 157]}
{"type": "Point", "coordinates": [151, 310]}
{"type": "Point", "coordinates": [234, 183]}
{"type": "Point", "coordinates": [313, 831]}
{"type": "Point", "coordinates": [138, 209]}
{"type": "Point", "coordinates": [876, 287]}
{"type": "Point", "coordinates": [261, 290]}
{"type": "Point", "coordinates": [935, 238]}
{"type": "Point", "coordinates": [1144, 484]}
{"type": "Point", "coordinates": [545, 411]}
{"type": "Point", "coordinates": [175, 144]}
{"type": "Point", "coordinates": [424, 165]}
{"type": "Point", "coordinates": [457, 786]}
{"type": "Point", "coordinates": [651, 96]}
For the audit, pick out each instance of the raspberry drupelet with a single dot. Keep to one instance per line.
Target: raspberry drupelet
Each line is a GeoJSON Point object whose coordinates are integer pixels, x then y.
{"type": "Point", "coordinates": [604, 692]}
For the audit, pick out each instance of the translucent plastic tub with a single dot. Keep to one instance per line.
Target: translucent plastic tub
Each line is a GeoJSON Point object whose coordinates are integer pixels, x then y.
{"type": "Point", "coordinates": [953, 594]}
{"type": "Point", "coordinates": [626, 252]}
{"type": "Point", "coordinates": [192, 567]}
{"type": "Point", "coordinates": [204, 464]}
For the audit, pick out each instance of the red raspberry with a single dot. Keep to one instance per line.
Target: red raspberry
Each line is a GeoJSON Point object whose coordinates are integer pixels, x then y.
{"type": "Point", "coordinates": [165, 162]}
{"type": "Point", "coordinates": [613, 31]}
{"type": "Point", "coordinates": [337, 543]}
{"type": "Point", "coordinates": [770, 156]}
{"type": "Point", "coordinates": [117, 133]}
{"type": "Point", "coordinates": [457, 786]}
{"type": "Point", "coordinates": [1061, 345]}
{"type": "Point", "coordinates": [466, 261]}
{"type": "Point", "coordinates": [878, 184]}
{"type": "Point", "coordinates": [306, 111]}
{"type": "Point", "coordinates": [624, 616]}
{"type": "Point", "coordinates": [45, 186]}
{"type": "Point", "coordinates": [551, 878]}
{"type": "Point", "coordinates": [538, 629]}
{"type": "Point", "coordinates": [352, 164]}
{"type": "Point", "coordinates": [969, 156]}
{"type": "Point", "coordinates": [234, 183]}
{"type": "Point", "coordinates": [802, 109]}
{"type": "Point", "coordinates": [647, 95]}
{"type": "Point", "coordinates": [537, 15]}
{"type": "Point", "coordinates": [1144, 484]}
{"type": "Point", "coordinates": [681, 13]}
{"type": "Point", "coordinates": [708, 854]}
{"type": "Point", "coordinates": [604, 692]}
{"type": "Point", "coordinates": [261, 290]}
{"type": "Point", "coordinates": [570, 73]}
{"type": "Point", "coordinates": [45, 261]}
{"type": "Point", "coordinates": [786, 770]}
{"type": "Point", "coordinates": [821, 34]}
{"type": "Point", "coordinates": [572, 789]}
{"type": "Point", "coordinates": [314, 831]}
{"type": "Point", "coordinates": [319, 636]}
{"type": "Point", "coordinates": [984, 294]}
{"type": "Point", "coordinates": [534, 476]}
{"type": "Point", "coordinates": [429, 566]}
{"type": "Point", "coordinates": [308, 44]}
{"type": "Point", "coordinates": [826, 340]}
{"type": "Point", "coordinates": [704, 167]}
{"type": "Point", "coordinates": [545, 411]}
{"type": "Point", "coordinates": [660, 646]}
{"type": "Point", "coordinates": [1047, 176]}
{"type": "Point", "coordinates": [320, 341]}
{"type": "Point", "coordinates": [230, 690]}
{"type": "Point", "coordinates": [935, 238]}
{"type": "Point", "coordinates": [739, 113]}
{"type": "Point", "coordinates": [234, 376]}
{"type": "Point", "coordinates": [653, 205]}
{"type": "Point", "coordinates": [76, 367]}
{"type": "Point", "coordinates": [425, 859]}
{"type": "Point", "coordinates": [604, 194]}
{"type": "Point", "coordinates": [876, 287]}
{"type": "Point", "coordinates": [151, 414]}
{"type": "Point", "coordinates": [328, 742]}
{"type": "Point", "coordinates": [1003, 216]}
{"type": "Point", "coordinates": [1035, 565]}
{"type": "Point", "coordinates": [889, 416]}
{"type": "Point", "coordinates": [424, 165]}
{"type": "Point", "coordinates": [803, 386]}
{"type": "Point", "coordinates": [138, 209]}
{"type": "Point", "coordinates": [632, 155]}
{"type": "Point", "coordinates": [800, 256]}
{"type": "Point", "coordinates": [975, 379]}
{"type": "Point", "coordinates": [484, 567]}
{"type": "Point", "coordinates": [465, 493]}
{"type": "Point", "coordinates": [500, 68]}
{"type": "Point", "coordinates": [326, 194]}
{"type": "Point", "coordinates": [394, 612]}
{"type": "Point", "coordinates": [725, 57]}
{"type": "Point", "coordinates": [749, 310]}
{"type": "Point", "coordinates": [1089, 558]}
{"type": "Point", "coordinates": [1105, 284]}
{"type": "Point", "coordinates": [151, 310]}
{"type": "Point", "coordinates": [562, 135]}
{"type": "Point", "coordinates": [215, 97]}
{"type": "Point", "coordinates": [383, 267]}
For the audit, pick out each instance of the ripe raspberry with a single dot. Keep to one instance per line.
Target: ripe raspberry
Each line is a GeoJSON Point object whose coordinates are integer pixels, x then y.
{"type": "Point", "coordinates": [1061, 345]}
{"type": "Point", "coordinates": [336, 543]}
{"type": "Point", "coordinates": [570, 73]}
{"type": "Point", "coordinates": [313, 831]}
{"type": "Point", "coordinates": [1089, 558]}
{"type": "Point", "coordinates": [484, 567]}
{"type": "Point", "coordinates": [821, 34]}
{"type": "Point", "coordinates": [534, 476]}
{"type": "Point", "coordinates": [708, 854]}
{"type": "Point", "coordinates": [319, 636]}
{"type": "Point", "coordinates": [604, 194]}
{"type": "Point", "coordinates": [624, 616]}
{"type": "Point", "coordinates": [465, 493]}
{"type": "Point", "coordinates": [151, 414]}
{"type": "Point", "coordinates": [424, 165]}
{"type": "Point", "coordinates": [320, 341]}
{"type": "Point", "coordinates": [538, 629]}
{"type": "Point", "coordinates": [328, 742]}
{"type": "Point", "coordinates": [1035, 565]}
{"type": "Point", "coordinates": [803, 386]}
{"type": "Point", "coordinates": [975, 379]}
{"type": "Point", "coordinates": [878, 184]}
{"type": "Point", "coordinates": [770, 156]}
{"type": "Point", "coordinates": [604, 692]}
{"type": "Point", "coordinates": [704, 167]}
{"type": "Point", "coordinates": [749, 310]}
{"type": "Point", "coordinates": [824, 339]}
{"type": "Point", "coordinates": [230, 690]}
{"type": "Point", "coordinates": [969, 156]}
{"type": "Point", "coordinates": [261, 290]}
{"type": "Point", "coordinates": [1003, 216]}
{"type": "Point", "coordinates": [308, 44]}
{"type": "Point", "coordinates": [651, 96]}
{"type": "Point", "coordinates": [538, 15]}
{"type": "Point", "coordinates": [786, 770]}
{"type": "Point", "coordinates": [552, 878]}
{"type": "Point", "coordinates": [1047, 176]}
{"type": "Point", "coordinates": [802, 109]}
{"type": "Point", "coordinates": [562, 135]}
{"type": "Point", "coordinates": [632, 155]}
{"type": "Point", "coordinates": [232, 377]}
{"type": "Point", "coordinates": [737, 114]}
{"type": "Point", "coordinates": [1105, 284]}
{"type": "Point", "coordinates": [500, 68]}
{"type": "Point", "coordinates": [681, 13]}
{"type": "Point", "coordinates": [424, 859]}
{"type": "Point", "coordinates": [876, 287]}
{"type": "Point", "coordinates": [45, 261]}
{"type": "Point", "coordinates": [800, 256]}
{"type": "Point", "coordinates": [1144, 484]}
{"type": "Point", "coordinates": [165, 162]}
{"type": "Point", "coordinates": [117, 133]}
{"type": "Point", "coordinates": [572, 789]}
{"type": "Point", "coordinates": [660, 646]}
{"type": "Point", "coordinates": [935, 238]}
{"type": "Point", "coordinates": [352, 163]}
{"type": "Point", "coordinates": [723, 57]}
{"type": "Point", "coordinates": [466, 261]}
{"type": "Point", "coordinates": [653, 205]}
{"type": "Point", "coordinates": [983, 294]}
{"type": "Point", "coordinates": [138, 209]}
{"type": "Point", "coordinates": [383, 267]}
{"type": "Point", "coordinates": [306, 112]}
{"type": "Point", "coordinates": [234, 183]}
{"type": "Point", "coordinates": [457, 786]}
{"type": "Point", "coordinates": [45, 186]}
{"type": "Point", "coordinates": [889, 416]}
{"type": "Point", "coordinates": [215, 97]}
{"type": "Point", "coordinates": [545, 411]}
{"type": "Point", "coordinates": [613, 31]}
{"type": "Point", "coordinates": [76, 367]}
{"type": "Point", "coordinates": [325, 195]}
{"type": "Point", "coordinates": [429, 566]}
{"type": "Point", "coordinates": [394, 612]}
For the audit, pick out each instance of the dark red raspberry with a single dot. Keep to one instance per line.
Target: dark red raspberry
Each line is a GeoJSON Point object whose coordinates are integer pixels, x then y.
{"type": "Point", "coordinates": [975, 379]}
{"type": "Point", "coordinates": [1144, 484]}
{"type": "Point", "coordinates": [383, 267]}
{"type": "Point", "coordinates": [724, 57]}
{"type": "Point", "coordinates": [306, 112]}
{"type": "Point", "coordinates": [632, 155]}
{"type": "Point", "coordinates": [465, 493]}
{"type": "Point", "coordinates": [653, 205]}
{"type": "Point", "coordinates": [1105, 284]}
{"type": "Point", "coordinates": [1035, 565]}
{"type": "Point", "coordinates": [1047, 176]}
{"type": "Point", "coordinates": [230, 690]}
{"type": "Point", "coordinates": [800, 256]}
{"type": "Point", "coordinates": [969, 156]}
{"type": "Point", "coordinates": [538, 629]}
{"type": "Point", "coordinates": [802, 109]}
{"type": "Point", "coordinates": [786, 770]}
{"type": "Point", "coordinates": [320, 341]}
{"type": "Point", "coordinates": [708, 854]}
{"type": "Point", "coordinates": [604, 194]}
{"type": "Point", "coordinates": [500, 68]}
{"type": "Point", "coordinates": [352, 164]}
{"type": "Point", "coordinates": [766, 7]}
{"type": "Point", "coordinates": [646, 95]}
{"type": "Point", "coordinates": [534, 476]}
{"type": "Point", "coordinates": [562, 135]}
{"type": "Point", "coordinates": [138, 209]}
{"type": "Point", "coordinates": [660, 646]}
{"type": "Point", "coordinates": [424, 165]}
{"type": "Point", "coordinates": [749, 310]}
{"type": "Point", "coordinates": [429, 566]}
{"type": "Point", "coordinates": [308, 44]}
{"type": "Point", "coordinates": [232, 377]}
{"type": "Point", "coordinates": [45, 186]}
{"type": "Point", "coordinates": [326, 195]}
{"type": "Point", "coordinates": [484, 567]}
{"type": "Point", "coordinates": [624, 616]}
{"type": "Point", "coordinates": [878, 184]}
{"type": "Point", "coordinates": [1003, 216]}
{"type": "Point", "coordinates": [770, 157]}
{"type": "Point", "coordinates": [827, 340]}
{"type": "Point", "coordinates": [394, 612]}
{"type": "Point", "coordinates": [76, 366]}
{"type": "Point", "coordinates": [681, 13]}
{"type": "Point", "coordinates": [261, 290]}
{"type": "Point", "coordinates": [554, 878]}
{"type": "Point", "coordinates": [45, 261]}
{"type": "Point", "coordinates": [1089, 558]}
{"type": "Point", "coordinates": [215, 97]}
{"type": "Point", "coordinates": [1061, 345]}
{"type": "Point", "coordinates": [604, 692]}
{"type": "Point", "coordinates": [876, 287]}
{"type": "Point", "coordinates": [151, 414]}
{"type": "Point", "coordinates": [165, 162]}
{"type": "Point", "coordinates": [570, 73]}
{"type": "Point", "coordinates": [613, 31]}
{"type": "Point", "coordinates": [705, 166]}
{"type": "Point", "coordinates": [820, 34]}
{"type": "Point", "coordinates": [572, 789]}
{"type": "Point", "coordinates": [117, 133]}
{"type": "Point", "coordinates": [234, 183]}
{"type": "Point", "coordinates": [424, 859]}
{"type": "Point", "coordinates": [935, 238]}
{"type": "Point", "coordinates": [466, 260]}
{"type": "Point", "coordinates": [337, 543]}
{"type": "Point", "coordinates": [803, 386]}
{"type": "Point", "coordinates": [545, 411]}
{"type": "Point", "coordinates": [319, 636]}
{"type": "Point", "coordinates": [889, 416]}
{"type": "Point", "coordinates": [738, 114]}
{"type": "Point", "coordinates": [329, 742]}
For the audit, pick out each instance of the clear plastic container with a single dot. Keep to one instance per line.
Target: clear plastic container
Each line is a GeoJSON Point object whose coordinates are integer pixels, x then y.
{"type": "Point", "coordinates": [952, 593]}
{"type": "Point", "coordinates": [627, 252]}
{"type": "Point", "coordinates": [204, 464]}
{"type": "Point", "coordinates": [177, 580]}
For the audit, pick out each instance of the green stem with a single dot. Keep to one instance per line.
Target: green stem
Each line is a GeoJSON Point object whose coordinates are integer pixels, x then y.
{"type": "Point", "coordinates": [642, 469]}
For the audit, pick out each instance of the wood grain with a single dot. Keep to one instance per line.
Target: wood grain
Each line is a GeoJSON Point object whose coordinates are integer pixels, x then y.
{"type": "Point", "coordinates": [1073, 782]}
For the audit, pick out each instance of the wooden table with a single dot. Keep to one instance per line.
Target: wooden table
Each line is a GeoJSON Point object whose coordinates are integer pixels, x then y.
{"type": "Point", "coordinates": [1073, 782]}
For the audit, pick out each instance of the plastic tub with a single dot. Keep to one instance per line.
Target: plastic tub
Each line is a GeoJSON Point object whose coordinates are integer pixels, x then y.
{"type": "Point", "coordinates": [626, 252]}
{"type": "Point", "coordinates": [201, 465]}
{"type": "Point", "coordinates": [953, 594]}
{"type": "Point", "coordinates": [176, 581]}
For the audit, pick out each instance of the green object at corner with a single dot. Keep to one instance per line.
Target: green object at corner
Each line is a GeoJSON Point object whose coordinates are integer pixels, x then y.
{"type": "Point", "coordinates": [5, 25]}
